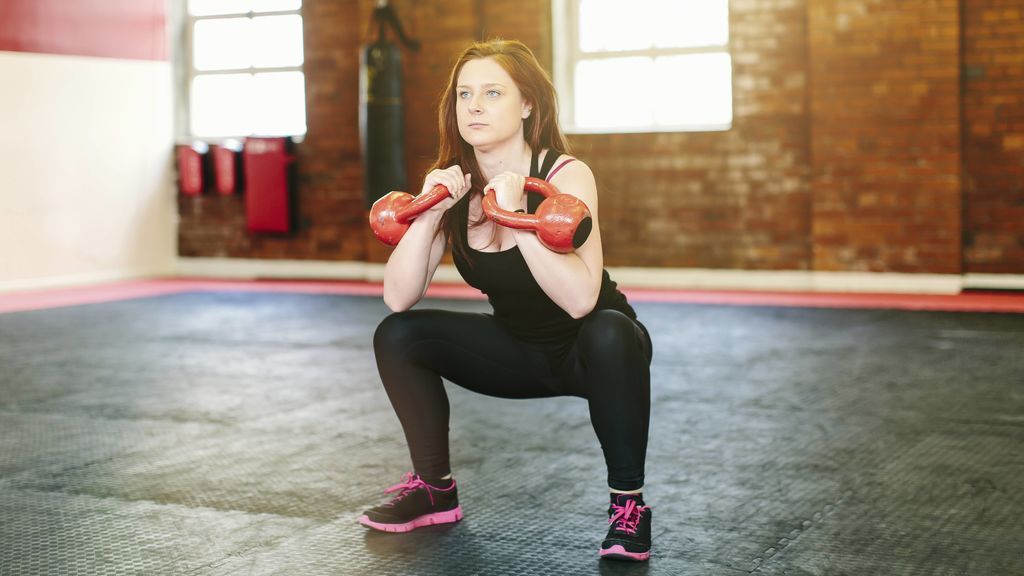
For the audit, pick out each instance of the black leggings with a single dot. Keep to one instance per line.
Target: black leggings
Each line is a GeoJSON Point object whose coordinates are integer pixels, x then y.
{"type": "Point", "coordinates": [609, 365]}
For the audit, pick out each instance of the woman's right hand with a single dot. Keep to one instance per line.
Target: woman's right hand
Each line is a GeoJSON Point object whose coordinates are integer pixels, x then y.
{"type": "Point", "coordinates": [452, 178]}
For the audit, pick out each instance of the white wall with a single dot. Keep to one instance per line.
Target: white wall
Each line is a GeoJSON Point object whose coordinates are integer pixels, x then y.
{"type": "Point", "coordinates": [86, 180]}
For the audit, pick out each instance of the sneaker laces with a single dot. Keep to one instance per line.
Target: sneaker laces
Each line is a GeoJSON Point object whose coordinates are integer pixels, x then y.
{"type": "Point", "coordinates": [409, 484]}
{"type": "Point", "coordinates": [628, 516]}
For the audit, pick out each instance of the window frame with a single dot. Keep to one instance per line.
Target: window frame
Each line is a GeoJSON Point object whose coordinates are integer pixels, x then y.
{"type": "Point", "coordinates": [190, 72]}
{"type": "Point", "coordinates": [566, 53]}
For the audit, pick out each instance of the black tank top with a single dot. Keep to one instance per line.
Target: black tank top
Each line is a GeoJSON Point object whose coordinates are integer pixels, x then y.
{"type": "Point", "coordinates": [518, 301]}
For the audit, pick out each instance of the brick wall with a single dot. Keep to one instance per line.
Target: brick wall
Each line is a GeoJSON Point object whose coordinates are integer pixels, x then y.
{"type": "Point", "coordinates": [846, 151]}
{"type": "Point", "coordinates": [993, 140]}
{"type": "Point", "coordinates": [333, 226]}
{"type": "Point", "coordinates": [735, 199]}
{"type": "Point", "coordinates": [885, 129]}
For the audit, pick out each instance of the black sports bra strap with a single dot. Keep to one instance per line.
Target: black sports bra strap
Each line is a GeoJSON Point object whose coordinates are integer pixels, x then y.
{"type": "Point", "coordinates": [534, 200]}
{"type": "Point", "coordinates": [549, 161]}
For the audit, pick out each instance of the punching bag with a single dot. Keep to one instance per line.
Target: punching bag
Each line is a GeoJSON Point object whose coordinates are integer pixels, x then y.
{"type": "Point", "coordinates": [381, 121]}
{"type": "Point", "coordinates": [382, 127]}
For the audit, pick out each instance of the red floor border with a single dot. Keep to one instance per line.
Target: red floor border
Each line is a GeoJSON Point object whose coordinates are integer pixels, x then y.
{"type": "Point", "coordinates": [1008, 302]}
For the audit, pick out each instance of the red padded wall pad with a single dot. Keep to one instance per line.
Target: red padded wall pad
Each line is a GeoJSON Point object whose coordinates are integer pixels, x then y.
{"type": "Point", "coordinates": [267, 194]}
{"type": "Point", "coordinates": [128, 29]}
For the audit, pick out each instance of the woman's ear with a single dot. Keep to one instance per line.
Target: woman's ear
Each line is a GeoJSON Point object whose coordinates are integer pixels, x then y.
{"type": "Point", "coordinates": [527, 109]}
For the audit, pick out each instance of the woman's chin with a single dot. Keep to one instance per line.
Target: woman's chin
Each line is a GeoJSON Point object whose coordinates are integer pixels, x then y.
{"type": "Point", "coordinates": [474, 138]}
{"type": "Point", "coordinates": [484, 142]}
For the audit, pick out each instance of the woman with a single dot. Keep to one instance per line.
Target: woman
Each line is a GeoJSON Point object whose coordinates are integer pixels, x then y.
{"type": "Point", "coordinates": [560, 326]}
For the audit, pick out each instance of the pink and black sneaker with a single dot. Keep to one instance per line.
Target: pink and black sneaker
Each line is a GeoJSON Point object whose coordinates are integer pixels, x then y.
{"type": "Point", "coordinates": [417, 504]}
{"type": "Point", "coordinates": [629, 537]}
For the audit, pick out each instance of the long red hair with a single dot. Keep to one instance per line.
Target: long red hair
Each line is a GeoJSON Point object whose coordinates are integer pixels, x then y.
{"type": "Point", "coordinates": [540, 129]}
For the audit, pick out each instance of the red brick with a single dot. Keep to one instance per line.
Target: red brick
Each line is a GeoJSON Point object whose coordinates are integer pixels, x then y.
{"type": "Point", "coordinates": [849, 149]}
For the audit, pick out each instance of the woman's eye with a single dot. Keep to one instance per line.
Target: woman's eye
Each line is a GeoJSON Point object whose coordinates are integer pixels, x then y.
{"type": "Point", "coordinates": [493, 93]}
{"type": "Point", "coordinates": [463, 95]}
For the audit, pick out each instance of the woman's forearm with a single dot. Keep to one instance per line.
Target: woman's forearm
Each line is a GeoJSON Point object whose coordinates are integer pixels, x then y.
{"type": "Point", "coordinates": [411, 265]}
{"type": "Point", "coordinates": [565, 278]}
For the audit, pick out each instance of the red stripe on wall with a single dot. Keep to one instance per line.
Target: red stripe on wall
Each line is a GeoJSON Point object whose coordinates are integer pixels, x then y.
{"type": "Point", "coordinates": [55, 298]}
{"type": "Point", "coordinates": [130, 29]}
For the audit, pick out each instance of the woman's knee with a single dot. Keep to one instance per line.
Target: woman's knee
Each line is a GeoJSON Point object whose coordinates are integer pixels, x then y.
{"type": "Point", "coordinates": [397, 330]}
{"type": "Point", "coordinates": [606, 331]}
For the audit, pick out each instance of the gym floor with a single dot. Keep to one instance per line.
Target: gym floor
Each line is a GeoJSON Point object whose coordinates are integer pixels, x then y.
{"type": "Point", "coordinates": [242, 431]}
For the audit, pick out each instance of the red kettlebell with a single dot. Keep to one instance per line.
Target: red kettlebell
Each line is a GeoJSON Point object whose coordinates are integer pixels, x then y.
{"type": "Point", "coordinates": [562, 221]}
{"type": "Point", "coordinates": [392, 214]}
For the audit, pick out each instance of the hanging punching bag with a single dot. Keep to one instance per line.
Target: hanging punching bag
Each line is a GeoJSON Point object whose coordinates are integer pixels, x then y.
{"type": "Point", "coordinates": [381, 117]}
{"type": "Point", "coordinates": [381, 123]}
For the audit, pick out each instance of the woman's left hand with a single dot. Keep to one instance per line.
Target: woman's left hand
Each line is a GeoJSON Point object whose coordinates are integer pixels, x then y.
{"type": "Point", "coordinates": [508, 188]}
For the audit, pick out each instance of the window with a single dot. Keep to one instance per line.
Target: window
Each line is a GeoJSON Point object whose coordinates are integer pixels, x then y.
{"type": "Point", "coordinates": [245, 68]}
{"type": "Point", "coordinates": [643, 65]}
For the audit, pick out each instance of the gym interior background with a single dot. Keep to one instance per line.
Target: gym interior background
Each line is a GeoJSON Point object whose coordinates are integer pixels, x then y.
{"type": "Point", "coordinates": [875, 147]}
{"type": "Point", "coordinates": [866, 137]}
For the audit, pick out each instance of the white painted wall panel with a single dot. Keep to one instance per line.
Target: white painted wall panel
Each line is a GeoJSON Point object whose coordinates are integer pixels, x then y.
{"type": "Point", "coordinates": [86, 180]}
